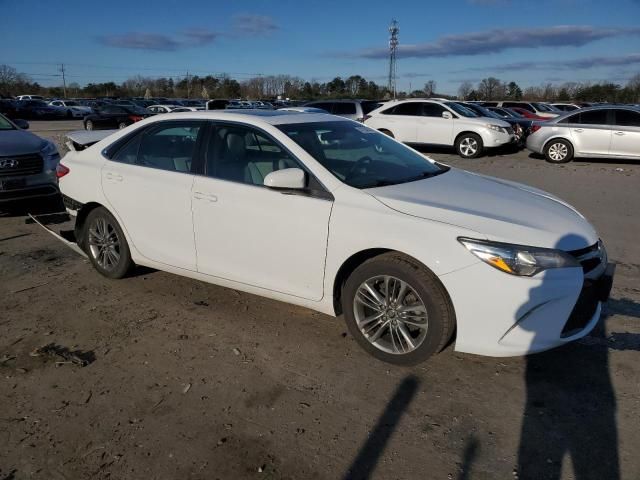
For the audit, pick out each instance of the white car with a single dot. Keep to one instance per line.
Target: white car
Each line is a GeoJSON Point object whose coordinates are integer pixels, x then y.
{"type": "Point", "coordinates": [435, 122]}
{"type": "Point", "coordinates": [29, 97]}
{"type": "Point", "coordinates": [187, 109]}
{"type": "Point", "coordinates": [326, 213]}
{"type": "Point", "coordinates": [73, 109]}
{"type": "Point", "coordinates": [163, 108]}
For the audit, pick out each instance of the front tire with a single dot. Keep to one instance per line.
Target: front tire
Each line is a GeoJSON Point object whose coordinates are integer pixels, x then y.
{"type": "Point", "coordinates": [106, 245]}
{"type": "Point", "coordinates": [122, 125]}
{"type": "Point", "coordinates": [469, 145]}
{"type": "Point", "coordinates": [88, 125]}
{"type": "Point", "coordinates": [558, 151]}
{"type": "Point", "coordinates": [397, 310]}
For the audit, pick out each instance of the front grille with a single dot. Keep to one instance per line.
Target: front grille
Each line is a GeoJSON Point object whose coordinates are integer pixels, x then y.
{"type": "Point", "coordinates": [21, 165]}
{"type": "Point", "coordinates": [590, 257]}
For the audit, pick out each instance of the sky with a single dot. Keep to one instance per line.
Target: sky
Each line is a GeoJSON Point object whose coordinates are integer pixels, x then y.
{"type": "Point", "coordinates": [530, 42]}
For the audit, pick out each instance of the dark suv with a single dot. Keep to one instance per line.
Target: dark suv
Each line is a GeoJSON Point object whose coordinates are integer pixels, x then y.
{"type": "Point", "coordinates": [28, 163]}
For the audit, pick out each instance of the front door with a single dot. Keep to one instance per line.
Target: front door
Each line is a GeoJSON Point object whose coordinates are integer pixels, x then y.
{"type": "Point", "coordinates": [148, 186]}
{"type": "Point", "coordinates": [249, 233]}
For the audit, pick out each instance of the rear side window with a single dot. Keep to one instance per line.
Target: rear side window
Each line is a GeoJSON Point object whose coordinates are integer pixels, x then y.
{"type": "Point", "coordinates": [409, 108]}
{"type": "Point", "coordinates": [627, 118]}
{"type": "Point", "coordinates": [594, 117]}
{"type": "Point", "coordinates": [344, 108]}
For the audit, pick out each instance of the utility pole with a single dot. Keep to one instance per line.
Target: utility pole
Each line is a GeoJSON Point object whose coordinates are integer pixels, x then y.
{"type": "Point", "coordinates": [188, 85]}
{"type": "Point", "coordinates": [394, 30]}
{"type": "Point", "coordinates": [64, 81]}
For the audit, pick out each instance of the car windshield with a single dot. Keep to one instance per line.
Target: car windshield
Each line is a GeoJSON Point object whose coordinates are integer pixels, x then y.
{"type": "Point", "coordinates": [5, 124]}
{"type": "Point", "coordinates": [359, 156]}
{"type": "Point", "coordinates": [484, 112]}
{"type": "Point", "coordinates": [461, 110]}
{"type": "Point", "coordinates": [514, 113]}
{"type": "Point", "coordinates": [544, 108]}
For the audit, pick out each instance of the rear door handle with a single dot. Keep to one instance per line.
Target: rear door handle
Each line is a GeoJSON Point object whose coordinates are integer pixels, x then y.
{"type": "Point", "coordinates": [205, 196]}
{"type": "Point", "coordinates": [578, 130]}
{"type": "Point", "coordinates": [619, 133]}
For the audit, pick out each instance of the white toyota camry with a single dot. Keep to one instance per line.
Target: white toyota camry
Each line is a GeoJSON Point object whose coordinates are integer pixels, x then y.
{"type": "Point", "coordinates": [326, 213]}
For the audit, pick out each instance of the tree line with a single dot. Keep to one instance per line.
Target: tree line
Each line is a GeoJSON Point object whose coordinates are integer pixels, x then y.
{"type": "Point", "coordinates": [14, 83]}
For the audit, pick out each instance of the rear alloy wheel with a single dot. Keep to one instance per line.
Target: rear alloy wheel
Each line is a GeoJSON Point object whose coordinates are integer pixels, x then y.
{"type": "Point", "coordinates": [122, 125]}
{"type": "Point", "coordinates": [387, 132]}
{"type": "Point", "coordinates": [469, 145]}
{"type": "Point", "coordinates": [397, 310]}
{"type": "Point", "coordinates": [88, 125]}
{"type": "Point", "coordinates": [558, 151]}
{"type": "Point", "coordinates": [106, 245]}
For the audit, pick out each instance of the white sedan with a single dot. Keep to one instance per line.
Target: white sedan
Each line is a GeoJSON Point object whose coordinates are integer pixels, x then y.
{"type": "Point", "coordinates": [73, 108]}
{"type": "Point", "coordinates": [326, 213]}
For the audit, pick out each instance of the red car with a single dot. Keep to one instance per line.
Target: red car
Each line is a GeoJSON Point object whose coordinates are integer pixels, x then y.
{"type": "Point", "coordinates": [527, 114]}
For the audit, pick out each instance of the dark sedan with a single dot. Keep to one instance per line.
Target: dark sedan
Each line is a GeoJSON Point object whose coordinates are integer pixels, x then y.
{"type": "Point", "coordinates": [523, 123]}
{"type": "Point", "coordinates": [8, 108]}
{"type": "Point", "coordinates": [38, 110]}
{"type": "Point", "coordinates": [115, 116]}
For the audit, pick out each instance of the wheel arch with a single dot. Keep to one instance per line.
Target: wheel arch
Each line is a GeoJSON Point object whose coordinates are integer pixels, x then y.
{"type": "Point", "coordinates": [81, 217]}
{"type": "Point", "coordinates": [467, 132]}
{"type": "Point", "coordinates": [558, 137]}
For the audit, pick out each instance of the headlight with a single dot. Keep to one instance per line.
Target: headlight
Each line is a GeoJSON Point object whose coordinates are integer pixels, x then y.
{"type": "Point", "coordinates": [49, 150]}
{"type": "Point", "coordinates": [518, 260]}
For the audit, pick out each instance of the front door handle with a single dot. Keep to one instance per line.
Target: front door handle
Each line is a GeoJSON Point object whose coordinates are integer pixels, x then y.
{"type": "Point", "coordinates": [619, 133]}
{"type": "Point", "coordinates": [205, 196]}
{"type": "Point", "coordinates": [114, 177]}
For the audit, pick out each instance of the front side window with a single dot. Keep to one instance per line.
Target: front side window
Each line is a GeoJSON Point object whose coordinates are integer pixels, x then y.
{"type": "Point", "coordinates": [432, 110]}
{"type": "Point", "coordinates": [245, 155]}
{"type": "Point", "coordinates": [627, 118]}
{"type": "Point", "coordinates": [359, 156]}
{"type": "Point", "coordinates": [594, 117]}
{"type": "Point", "coordinates": [171, 147]}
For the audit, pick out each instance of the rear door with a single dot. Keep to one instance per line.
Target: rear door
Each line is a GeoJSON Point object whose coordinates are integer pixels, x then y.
{"type": "Point", "coordinates": [148, 185]}
{"type": "Point", "coordinates": [401, 120]}
{"type": "Point", "coordinates": [433, 127]}
{"type": "Point", "coordinates": [625, 140]}
{"type": "Point", "coordinates": [591, 131]}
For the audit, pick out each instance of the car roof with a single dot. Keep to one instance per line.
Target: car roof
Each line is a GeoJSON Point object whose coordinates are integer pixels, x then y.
{"type": "Point", "coordinates": [272, 117]}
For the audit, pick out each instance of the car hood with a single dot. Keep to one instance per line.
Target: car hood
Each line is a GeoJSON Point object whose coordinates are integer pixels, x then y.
{"type": "Point", "coordinates": [497, 209]}
{"type": "Point", "coordinates": [19, 142]}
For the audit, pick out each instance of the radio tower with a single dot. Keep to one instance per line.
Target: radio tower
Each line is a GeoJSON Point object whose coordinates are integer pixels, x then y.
{"type": "Point", "coordinates": [393, 46]}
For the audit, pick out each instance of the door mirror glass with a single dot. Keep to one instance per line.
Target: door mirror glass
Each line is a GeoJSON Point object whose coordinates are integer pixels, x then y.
{"type": "Point", "coordinates": [447, 115]}
{"type": "Point", "coordinates": [288, 178]}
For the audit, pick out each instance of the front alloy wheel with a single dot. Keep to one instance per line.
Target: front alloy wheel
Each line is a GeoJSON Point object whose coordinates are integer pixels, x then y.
{"type": "Point", "coordinates": [469, 145]}
{"type": "Point", "coordinates": [390, 314]}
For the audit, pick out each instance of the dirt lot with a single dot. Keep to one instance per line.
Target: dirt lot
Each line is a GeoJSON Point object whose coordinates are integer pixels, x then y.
{"type": "Point", "coordinates": [189, 380]}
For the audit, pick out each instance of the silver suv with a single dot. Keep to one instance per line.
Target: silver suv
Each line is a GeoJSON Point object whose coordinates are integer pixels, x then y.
{"type": "Point", "coordinates": [352, 109]}
{"type": "Point", "coordinates": [597, 132]}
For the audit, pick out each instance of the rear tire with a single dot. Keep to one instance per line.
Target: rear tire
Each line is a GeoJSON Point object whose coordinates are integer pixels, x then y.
{"type": "Point", "coordinates": [386, 132]}
{"type": "Point", "coordinates": [558, 151]}
{"type": "Point", "coordinates": [88, 125]}
{"type": "Point", "coordinates": [407, 319]}
{"type": "Point", "coordinates": [106, 245]}
{"type": "Point", "coordinates": [469, 145]}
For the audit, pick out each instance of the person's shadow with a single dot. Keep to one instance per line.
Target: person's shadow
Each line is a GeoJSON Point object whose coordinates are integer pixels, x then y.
{"type": "Point", "coordinates": [570, 411]}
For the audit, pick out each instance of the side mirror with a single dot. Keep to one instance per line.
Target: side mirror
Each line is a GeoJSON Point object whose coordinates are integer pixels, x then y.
{"type": "Point", "coordinates": [447, 115]}
{"type": "Point", "coordinates": [287, 178]}
{"type": "Point", "coordinates": [23, 124]}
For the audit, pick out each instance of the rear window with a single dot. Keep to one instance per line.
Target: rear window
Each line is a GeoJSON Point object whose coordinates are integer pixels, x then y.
{"type": "Point", "coordinates": [344, 108]}
{"type": "Point", "coordinates": [627, 118]}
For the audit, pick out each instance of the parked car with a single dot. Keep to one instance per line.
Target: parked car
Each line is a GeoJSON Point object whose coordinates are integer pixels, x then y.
{"type": "Point", "coordinates": [537, 108]}
{"type": "Point", "coordinates": [187, 109]}
{"type": "Point", "coordinates": [191, 103]}
{"type": "Point", "coordinates": [596, 132]}
{"type": "Point", "coordinates": [38, 110]}
{"type": "Point", "coordinates": [566, 107]}
{"type": "Point", "coordinates": [8, 108]}
{"type": "Point", "coordinates": [115, 116]}
{"type": "Point", "coordinates": [93, 104]}
{"type": "Point", "coordinates": [302, 110]}
{"type": "Point", "coordinates": [333, 196]}
{"type": "Point", "coordinates": [520, 126]}
{"type": "Point", "coordinates": [29, 97]}
{"type": "Point", "coordinates": [217, 104]}
{"type": "Point", "coordinates": [353, 109]}
{"type": "Point", "coordinates": [29, 165]}
{"type": "Point", "coordinates": [526, 113]}
{"type": "Point", "coordinates": [72, 108]}
{"type": "Point", "coordinates": [162, 108]}
{"type": "Point", "coordinates": [440, 123]}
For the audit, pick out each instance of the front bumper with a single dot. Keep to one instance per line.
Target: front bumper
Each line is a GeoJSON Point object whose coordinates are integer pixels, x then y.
{"type": "Point", "coordinates": [502, 315]}
{"type": "Point", "coordinates": [17, 188]}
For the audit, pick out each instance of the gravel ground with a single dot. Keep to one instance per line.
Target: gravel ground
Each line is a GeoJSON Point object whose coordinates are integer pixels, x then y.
{"type": "Point", "coordinates": [189, 380]}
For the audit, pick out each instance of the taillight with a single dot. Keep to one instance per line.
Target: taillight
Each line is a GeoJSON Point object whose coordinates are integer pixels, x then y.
{"type": "Point", "coordinates": [61, 170]}
{"type": "Point", "coordinates": [135, 118]}
{"type": "Point", "coordinates": [535, 128]}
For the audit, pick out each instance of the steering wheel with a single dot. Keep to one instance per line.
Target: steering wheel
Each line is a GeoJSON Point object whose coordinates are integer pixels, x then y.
{"type": "Point", "coordinates": [363, 162]}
